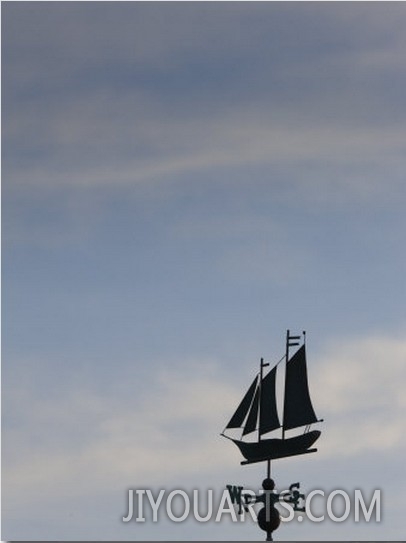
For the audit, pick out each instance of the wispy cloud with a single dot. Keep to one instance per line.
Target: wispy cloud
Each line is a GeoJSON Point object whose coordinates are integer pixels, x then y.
{"type": "Point", "coordinates": [115, 127]}
{"type": "Point", "coordinates": [171, 430]}
{"type": "Point", "coordinates": [85, 442]}
{"type": "Point", "coordinates": [186, 148]}
{"type": "Point", "coordinates": [360, 388]}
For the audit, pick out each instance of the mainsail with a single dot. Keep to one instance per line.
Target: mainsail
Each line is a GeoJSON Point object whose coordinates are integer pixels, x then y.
{"type": "Point", "coordinates": [298, 409]}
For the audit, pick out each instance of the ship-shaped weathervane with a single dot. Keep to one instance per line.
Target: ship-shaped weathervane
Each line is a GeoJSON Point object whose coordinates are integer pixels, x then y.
{"type": "Point", "coordinates": [258, 412]}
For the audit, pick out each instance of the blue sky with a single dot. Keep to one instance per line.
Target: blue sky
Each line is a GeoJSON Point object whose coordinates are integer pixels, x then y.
{"type": "Point", "coordinates": [182, 182]}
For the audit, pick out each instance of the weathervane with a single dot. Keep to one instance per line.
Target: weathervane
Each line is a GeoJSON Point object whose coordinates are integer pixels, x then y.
{"type": "Point", "coordinates": [258, 412]}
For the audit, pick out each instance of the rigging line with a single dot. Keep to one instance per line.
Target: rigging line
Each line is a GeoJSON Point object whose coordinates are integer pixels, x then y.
{"type": "Point", "coordinates": [283, 358]}
{"type": "Point", "coordinates": [270, 363]}
{"type": "Point", "coordinates": [227, 437]}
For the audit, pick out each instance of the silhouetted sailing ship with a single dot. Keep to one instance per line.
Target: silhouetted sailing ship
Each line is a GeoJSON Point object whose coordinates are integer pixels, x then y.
{"type": "Point", "coordinates": [258, 410]}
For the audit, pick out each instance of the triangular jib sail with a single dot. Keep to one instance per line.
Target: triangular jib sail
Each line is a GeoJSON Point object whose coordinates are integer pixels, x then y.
{"type": "Point", "coordinates": [239, 416]}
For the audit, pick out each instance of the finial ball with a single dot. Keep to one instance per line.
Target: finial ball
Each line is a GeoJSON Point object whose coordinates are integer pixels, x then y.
{"type": "Point", "coordinates": [268, 484]}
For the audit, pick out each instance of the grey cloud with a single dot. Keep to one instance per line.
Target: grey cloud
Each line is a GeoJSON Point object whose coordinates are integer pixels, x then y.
{"type": "Point", "coordinates": [115, 95]}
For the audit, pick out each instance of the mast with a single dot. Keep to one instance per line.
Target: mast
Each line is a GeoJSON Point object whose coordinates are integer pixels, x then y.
{"type": "Point", "coordinates": [261, 375]}
{"type": "Point", "coordinates": [261, 372]}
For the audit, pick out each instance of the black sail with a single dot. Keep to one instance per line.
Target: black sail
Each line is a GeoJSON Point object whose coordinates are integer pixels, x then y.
{"type": "Point", "coordinates": [298, 409]}
{"type": "Point", "coordinates": [239, 416]}
{"type": "Point", "coordinates": [268, 416]}
{"type": "Point", "coordinates": [251, 424]}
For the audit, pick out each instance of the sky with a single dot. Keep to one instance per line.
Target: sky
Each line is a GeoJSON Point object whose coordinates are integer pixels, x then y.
{"type": "Point", "coordinates": [182, 183]}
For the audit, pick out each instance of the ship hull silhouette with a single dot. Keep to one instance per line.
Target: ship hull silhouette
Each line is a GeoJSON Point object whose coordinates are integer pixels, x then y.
{"type": "Point", "coordinates": [258, 410]}
{"type": "Point", "coordinates": [270, 449]}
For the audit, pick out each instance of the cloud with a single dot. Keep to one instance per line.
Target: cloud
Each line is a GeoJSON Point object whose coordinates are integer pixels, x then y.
{"type": "Point", "coordinates": [170, 429]}
{"type": "Point", "coordinates": [163, 101]}
{"type": "Point", "coordinates": [360, 390]}
{"type": "Point", "coordinates": [96, 151]}
{"type": "Point", "coordinates": [83, 442]}
{"type": "Point", "coordinates": [86, 445]}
